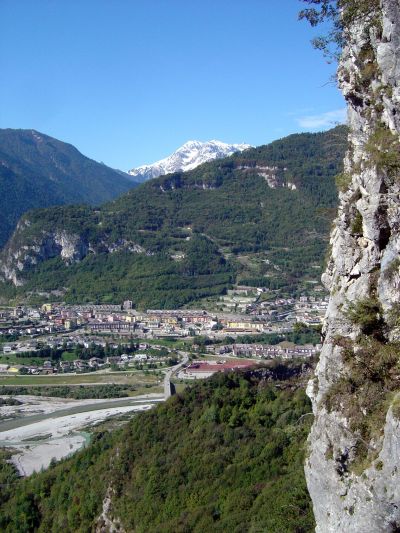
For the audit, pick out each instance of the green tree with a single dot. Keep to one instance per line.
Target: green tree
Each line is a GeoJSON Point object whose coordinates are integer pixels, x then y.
{"type": "Point", "coordinates": [339, 14]}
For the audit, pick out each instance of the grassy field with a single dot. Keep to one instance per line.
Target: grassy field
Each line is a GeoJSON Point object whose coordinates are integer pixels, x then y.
{"type": "Point", "coordinates": [123, 378]}
{"type": "Point", "coordinates": [68, 356]}
{"type": "Point", "coordinates": [178, 344]}
{"type": "Point", "coordinates": [169, 342]}
{"type": "Point", "coordinates": [180, 386]}
{"type": "Point", "coordinates": [12, 359]}
{"type": "Point", "coordinates": [145, 389]}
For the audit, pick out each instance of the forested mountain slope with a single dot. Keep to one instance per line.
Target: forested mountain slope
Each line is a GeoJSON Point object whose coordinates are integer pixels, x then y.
{"type": "Point", "coordinates": [187, 235]}
{"type": "Point", "coordinates": [39, 171]}
{"type": "Point", "coordinates": [226, 455]}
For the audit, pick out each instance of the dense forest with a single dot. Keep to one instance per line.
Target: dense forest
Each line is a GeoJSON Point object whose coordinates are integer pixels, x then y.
{"type": "Point", "coordinates": [188, 235]}
{"type": "Point", "coordinates": [225, 455]}
{"type": "Point", "coordinates": [39, 171]}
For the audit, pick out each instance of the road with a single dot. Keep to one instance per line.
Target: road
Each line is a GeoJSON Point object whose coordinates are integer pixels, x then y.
{"type": "Point", "coordinates": [171, 371]}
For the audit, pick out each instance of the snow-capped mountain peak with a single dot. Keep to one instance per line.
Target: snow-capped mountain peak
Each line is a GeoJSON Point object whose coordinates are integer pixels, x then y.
{"type": "Point", "coordinates": [189, 156]}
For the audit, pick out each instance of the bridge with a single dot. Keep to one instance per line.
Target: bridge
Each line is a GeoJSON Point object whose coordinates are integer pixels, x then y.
{"type": "Point", "coordinates": [169, 387]}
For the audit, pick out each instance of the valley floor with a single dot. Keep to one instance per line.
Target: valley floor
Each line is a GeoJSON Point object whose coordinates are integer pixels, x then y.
{"type": "Point", "coordinates": [42, 429]}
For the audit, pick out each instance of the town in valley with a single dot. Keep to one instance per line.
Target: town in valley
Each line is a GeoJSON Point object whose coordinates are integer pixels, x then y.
{"type": "Point", "coordinates": [120, 337]}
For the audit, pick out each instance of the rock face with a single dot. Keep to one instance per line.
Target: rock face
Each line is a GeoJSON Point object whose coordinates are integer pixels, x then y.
{"type": "Point", "coordinates": [70, 246]}
{"type": "Point", "coordinates": [353, 467]}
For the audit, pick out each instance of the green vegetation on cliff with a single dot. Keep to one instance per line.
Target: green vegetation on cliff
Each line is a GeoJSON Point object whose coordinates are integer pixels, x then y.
{"type": "Point", "coordinates": [226, 455]}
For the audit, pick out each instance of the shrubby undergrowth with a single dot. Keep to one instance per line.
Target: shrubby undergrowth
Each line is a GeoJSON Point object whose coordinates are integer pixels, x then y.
{"type": "Point", "coordinates": [226, 455]}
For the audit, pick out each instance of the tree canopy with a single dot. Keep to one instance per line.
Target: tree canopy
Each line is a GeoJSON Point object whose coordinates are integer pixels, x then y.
{"type": "Point", "coordinates": [339, 14]}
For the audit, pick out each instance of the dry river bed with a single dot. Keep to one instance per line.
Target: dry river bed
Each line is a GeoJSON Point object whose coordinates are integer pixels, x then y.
{"type": "Point", "coordinates": [42, 429]}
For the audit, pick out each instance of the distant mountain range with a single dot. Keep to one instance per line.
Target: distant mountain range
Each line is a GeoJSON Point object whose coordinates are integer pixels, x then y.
{"type": "Point", "coordinates": [39, 171]}
{"type": "Point", "coordinates": [260, 217]}
{"type": "Point", "coordinates": [187, 157]}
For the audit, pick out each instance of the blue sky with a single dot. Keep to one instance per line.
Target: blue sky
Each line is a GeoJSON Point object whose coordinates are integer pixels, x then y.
{"type": "Point", "coordinates": [128, 81]}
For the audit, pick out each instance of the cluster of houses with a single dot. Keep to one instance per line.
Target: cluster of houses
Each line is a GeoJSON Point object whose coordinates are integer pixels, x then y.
{"type": "Point", "coordinates": [265, 316]}
{"type": "Point", "coordinates": [249, 300]}
{"type": "Point", "coordinates": [283, 350]}
{"type": "Point", "coordinates": [121, 320]}
{"type": "Point", "coordinates": [75, 366]}
{"type": "Point", "coordinates": [19, 347]}
{"type": "Point", "coordinates": [154, 323]}
{"type": "Point", "coordinates": [36, 348]}
{"type": "Point", "coordinates": [309, 310]}
{"type": "Point", "coordinates": [54, 341]}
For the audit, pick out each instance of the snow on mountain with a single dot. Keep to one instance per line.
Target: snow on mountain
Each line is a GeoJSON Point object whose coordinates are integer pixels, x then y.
{"type": "Point", "coordinates": [187, 157]}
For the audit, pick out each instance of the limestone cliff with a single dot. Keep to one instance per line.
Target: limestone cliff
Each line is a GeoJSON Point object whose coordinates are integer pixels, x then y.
{"type": "Point", "coordinates": [18, 258]}
{"type": "Point", "coordinates": [33, 244]}
{"type": "Point", "coordinates": [353, 467]}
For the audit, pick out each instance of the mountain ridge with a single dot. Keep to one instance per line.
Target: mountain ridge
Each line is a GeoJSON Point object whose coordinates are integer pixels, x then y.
{"type": "Point", "coordinates": [181, 237]}
{"type": "Point", "coordinates": [37, 170]}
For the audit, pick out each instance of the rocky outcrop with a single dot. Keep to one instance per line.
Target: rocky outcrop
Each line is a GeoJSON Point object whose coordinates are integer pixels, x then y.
{"type": "Point", "coordinates": [353, 467]}
{"type": "Point", "coordinates": [18, 259]}
{"type": "Point", "coordinates": [23, 253]}
{"type": "Point", "coordinates": [273, 175]}
{"type": "Point", "coordinates": [105, 523]}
